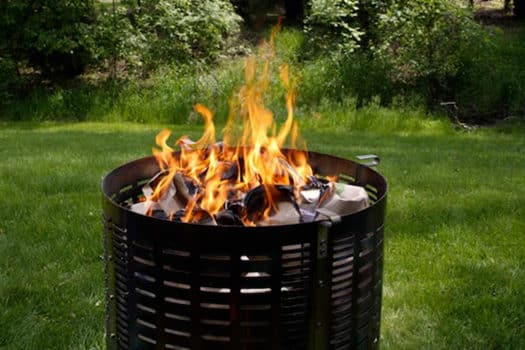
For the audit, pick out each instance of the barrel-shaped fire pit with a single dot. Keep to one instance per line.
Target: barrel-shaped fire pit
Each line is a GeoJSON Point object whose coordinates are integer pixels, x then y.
{"type": "Point", "coordinates": [173, 285]}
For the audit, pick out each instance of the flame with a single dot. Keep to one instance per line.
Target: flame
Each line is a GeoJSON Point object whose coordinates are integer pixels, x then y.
{"type": "Point", "coordinates": [252, 144]}
{"type": "Point", "coordinates": [166, 160]}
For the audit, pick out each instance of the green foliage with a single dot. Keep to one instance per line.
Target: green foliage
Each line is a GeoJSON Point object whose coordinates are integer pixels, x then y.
{"type": "Point", "coordinates": [369, 16]}
{"type": "Point", "coordinates": [165, 32]}
{"type": "Point", "coordinates": [430, 50]}
{"type": "Point", "coordinates": [409, 43]}
{"type": "Point", "coordinates": [428, 43]}
{"type": "Point", "coordinates": [332, 25]}
{"type": "Point", "coordinates": [117, 39]}
{"type": "Point", "coordinates": [483, 71]}
{"type": "Point", "coordinates": [341, 76]}
{"type": "Point", "coordinates": [50, 35]}
{"type": "Point", "coordinates": [345, 24]}
{"type": "Point", "coordinates": [493, 85]}
{"type": "Point", "coordinates": [9, 79]}
{"type": "Point", "coordinates": [61, 37]}
{"type": "Point", "coordinates": [167, 96]}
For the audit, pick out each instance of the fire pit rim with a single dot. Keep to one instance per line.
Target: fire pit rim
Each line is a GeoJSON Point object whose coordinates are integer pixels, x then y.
{"type": "Point", "coordinates": [148, 159]}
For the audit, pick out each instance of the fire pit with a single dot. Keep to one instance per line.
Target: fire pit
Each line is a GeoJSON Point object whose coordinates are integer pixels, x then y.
{"type": "Point", "coordinates": [177, 285]}
{"type": "Point", "coordinates": [243, 243]}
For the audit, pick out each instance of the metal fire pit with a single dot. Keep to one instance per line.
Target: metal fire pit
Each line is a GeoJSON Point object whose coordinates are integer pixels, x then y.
{"type": "Point", "coordinates": [172, 285]}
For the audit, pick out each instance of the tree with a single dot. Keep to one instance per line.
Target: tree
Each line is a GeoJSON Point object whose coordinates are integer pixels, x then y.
{"type": "Point", "coordinates": [50, 35]}
{"type": "Point", "coordinates": [148, 33]}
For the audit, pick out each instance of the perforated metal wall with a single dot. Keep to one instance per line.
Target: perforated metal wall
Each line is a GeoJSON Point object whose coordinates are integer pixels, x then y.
{"type": "Point", "coordinates": [182, 286]}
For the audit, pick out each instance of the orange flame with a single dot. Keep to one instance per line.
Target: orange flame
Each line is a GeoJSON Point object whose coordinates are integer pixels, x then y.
{"type": "Point", "coordinates": [251, 143]}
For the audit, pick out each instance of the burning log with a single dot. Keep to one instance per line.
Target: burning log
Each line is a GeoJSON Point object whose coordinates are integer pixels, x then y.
{"type": "Point", "coordinates": [263, 205]}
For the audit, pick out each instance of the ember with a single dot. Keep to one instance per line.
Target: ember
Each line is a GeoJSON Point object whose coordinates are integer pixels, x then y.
{"type": "Point", "coordinates": [246, 179]}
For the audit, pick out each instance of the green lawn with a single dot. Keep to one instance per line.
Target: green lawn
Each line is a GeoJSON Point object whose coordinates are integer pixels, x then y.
{"type": "Point", "coordinates": [455, 258]}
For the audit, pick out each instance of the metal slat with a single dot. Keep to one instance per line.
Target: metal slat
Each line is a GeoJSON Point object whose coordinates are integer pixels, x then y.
{"type": "Point", "coordinates": [172, 273]}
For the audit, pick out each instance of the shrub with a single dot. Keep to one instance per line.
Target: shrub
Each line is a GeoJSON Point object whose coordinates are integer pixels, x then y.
{"type": "Point", "coordinates": [493, 85]}
{"type": "Point", "coordinates": [118, 40]}
{"type": "Point", "coordinates": [158, 32]}
{"type": "Point", "coordinates": [332, 25]}
{"type": "Point", "coordinates": [50, 35]}
{"type": "Point", "coordinates": [404, 47]}
{"type": "Point", "coordinates": [428, 43]}
{"type": "Point", "coordinates": [9, 79]}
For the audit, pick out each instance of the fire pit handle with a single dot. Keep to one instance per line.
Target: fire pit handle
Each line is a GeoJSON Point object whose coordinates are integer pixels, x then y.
{"type": "Point", "coordinates": [373, 159]}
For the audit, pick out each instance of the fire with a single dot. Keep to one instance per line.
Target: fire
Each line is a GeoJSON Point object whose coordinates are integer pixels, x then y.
{"type": "Point", "coordinates": [248, 157]}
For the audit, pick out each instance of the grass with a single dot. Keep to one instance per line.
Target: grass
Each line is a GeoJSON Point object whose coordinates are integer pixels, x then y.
{"type": "Point", "coordinates": [454, 261]}
{"type": "Point", "coordinates": [175, 91]}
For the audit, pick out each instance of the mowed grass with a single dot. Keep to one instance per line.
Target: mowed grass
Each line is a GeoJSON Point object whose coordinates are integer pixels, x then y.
{"type": "Point", "coordinates": [454, 255]}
